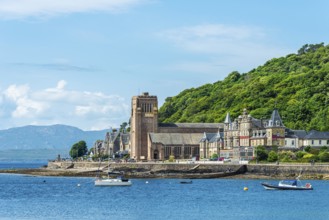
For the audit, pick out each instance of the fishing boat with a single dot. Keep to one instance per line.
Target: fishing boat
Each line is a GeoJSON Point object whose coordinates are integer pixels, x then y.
{"type": "Point", "coordinates": [288, 185]}
{"type": "Point", "coordinates": [119, 181]}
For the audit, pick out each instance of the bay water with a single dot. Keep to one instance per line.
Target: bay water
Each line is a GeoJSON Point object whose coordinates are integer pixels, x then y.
{"type": "Point", "coordinates": [37, 197]}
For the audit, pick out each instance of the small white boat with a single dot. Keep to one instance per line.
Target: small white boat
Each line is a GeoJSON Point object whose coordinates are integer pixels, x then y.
{"type": "Point", "coordinates": [120, 181]}
{"type": "Point", "coordinates": [288, 185]}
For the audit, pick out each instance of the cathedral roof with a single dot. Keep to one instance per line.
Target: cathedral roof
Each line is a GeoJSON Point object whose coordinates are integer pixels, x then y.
{"type": "Point", "coordinates": [192, 125]}
{"type": "Point", "coordinates": [176, 138]}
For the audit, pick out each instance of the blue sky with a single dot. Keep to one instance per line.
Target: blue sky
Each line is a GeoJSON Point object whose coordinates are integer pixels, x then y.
{"type": "Point", "coordinates": [80, 62]}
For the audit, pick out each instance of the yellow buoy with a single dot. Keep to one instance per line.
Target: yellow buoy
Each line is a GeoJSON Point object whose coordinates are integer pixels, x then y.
{"type": "Point", "coordinates": [245, 188]}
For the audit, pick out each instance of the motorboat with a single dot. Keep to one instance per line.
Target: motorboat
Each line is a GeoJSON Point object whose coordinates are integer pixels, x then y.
{"type": "Point", "coordinates": [288, 185]}
{"type": "Point", "coordinates": [186, 181]}
{"type": "Point", "coordinates": [119, 181]}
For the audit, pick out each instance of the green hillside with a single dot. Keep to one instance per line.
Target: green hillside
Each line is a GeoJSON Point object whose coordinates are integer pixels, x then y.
{"type": "Point", "coordinates": [297, 85]}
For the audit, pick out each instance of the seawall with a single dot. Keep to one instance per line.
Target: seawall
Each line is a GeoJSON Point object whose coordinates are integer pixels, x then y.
{"type": "Point", "coordinates": [141, 169]}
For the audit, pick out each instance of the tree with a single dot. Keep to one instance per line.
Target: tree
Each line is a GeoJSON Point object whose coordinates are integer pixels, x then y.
{"type": "Point", "coordinates": [261, 153]}
{"type": "Point", "coordinates": [272, 156]}
{"type": "Point", "coordinates": [307, 149]}
{"type": "Point", "coordinates": [123, 127]}
{"type": "Point", "coordinates": [214, 156]}
{"type": "Point", "coordinates": [78, 149]}
{"type": "Point", "coordinates": [324, 157]}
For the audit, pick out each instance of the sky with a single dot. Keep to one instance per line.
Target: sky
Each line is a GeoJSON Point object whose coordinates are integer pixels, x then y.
{"type": "Point", "coordinates": [80, 62]}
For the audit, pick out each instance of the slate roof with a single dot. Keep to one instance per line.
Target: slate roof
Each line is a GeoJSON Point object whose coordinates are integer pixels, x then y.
{"type": "Point", "coordinates": [192, 125]}
{"type": "Point", "coordinates": [207, 136]}
{"type": "Point", "coordinates": [299, 133]}
{"type": "Point", "coordinates": [257, 122]}
{"type": "Point", "coordinates": [228, 118]}
{"type": "Point", "coordinates": [217, 137]}
{"type": "Point", "coordinates": [212, 137]}
{"type": "Point", "coordinates": [276, 119]}
{"type": "Point", "coordinates": [111, 136]}
{"type": "Point", "coordinates": [176, 138]}
{"type": "Point", "coordinates": [125, 137]}
{"type": "Point", "coordinates": [317, 135]}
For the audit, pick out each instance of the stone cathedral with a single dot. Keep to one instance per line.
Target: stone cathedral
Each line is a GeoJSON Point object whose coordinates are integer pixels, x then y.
{"type": "Point", "coordinates": [151, 140]}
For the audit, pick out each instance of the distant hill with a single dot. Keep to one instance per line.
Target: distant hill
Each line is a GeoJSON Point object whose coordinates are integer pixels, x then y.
{"type": "Point", "coordinates": [297, 85]}
{"type": "Point", "coordinates": [43, 140]}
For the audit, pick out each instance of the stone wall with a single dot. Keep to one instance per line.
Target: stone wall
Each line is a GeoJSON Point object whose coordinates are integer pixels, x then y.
{"type": "Point", "coordinates": [289, 170]}
{"type": "Point", "coordinates": [256, 169]}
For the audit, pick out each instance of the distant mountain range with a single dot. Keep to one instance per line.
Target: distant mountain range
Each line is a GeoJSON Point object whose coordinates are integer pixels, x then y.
{"type": "Point", "coordinates": [42, 142]}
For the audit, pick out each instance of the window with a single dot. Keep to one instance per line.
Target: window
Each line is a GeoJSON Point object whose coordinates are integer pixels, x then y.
{"type": "Point", "coordinates": [312, 142]}
{"type": "Point", "coordinates": [292, 142]}
{"type": "Point", "coordinates": [320, 142]}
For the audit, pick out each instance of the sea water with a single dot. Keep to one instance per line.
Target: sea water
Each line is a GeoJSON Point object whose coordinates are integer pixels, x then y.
{"type": "Point", "coordinates": [5, 165]}
{"type": "Point", "coordinates": [36, 197]}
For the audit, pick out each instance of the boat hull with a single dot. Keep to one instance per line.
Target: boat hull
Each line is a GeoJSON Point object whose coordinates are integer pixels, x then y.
{"type": "Point", "coordinates": [186, 182]}
{"type": "Point", "coordinates": [112, 182]}
{"type": "Point", "coordinates": [274, 187]}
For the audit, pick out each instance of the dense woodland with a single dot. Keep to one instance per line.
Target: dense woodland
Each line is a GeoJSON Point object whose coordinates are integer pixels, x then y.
{"type": "Point", "coordinates": [297, 85]}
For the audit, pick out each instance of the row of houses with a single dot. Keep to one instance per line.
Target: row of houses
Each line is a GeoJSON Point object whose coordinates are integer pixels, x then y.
{"type": "Point", "coordinates": [236, 139]}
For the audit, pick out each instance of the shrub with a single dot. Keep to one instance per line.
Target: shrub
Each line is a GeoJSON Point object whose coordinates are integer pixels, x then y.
{"type": "Point", "coordinates": [324, 156]}
{"type": "Point", "coordinates": [272, 156]}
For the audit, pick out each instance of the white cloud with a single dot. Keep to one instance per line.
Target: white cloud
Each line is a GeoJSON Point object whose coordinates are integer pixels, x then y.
{"type": "Point", "coordinates": [225, 47]}
{"type": "Point", "coordinates": [11, 9]}
{"type": "Point", "coordinates": [15, 92]}
{"type": "Point", "coordinates": [84, 109]}
{"type": "Point", "coordinates": [61, 84]}
{"type": "Point", "coordinates": [25, 107]}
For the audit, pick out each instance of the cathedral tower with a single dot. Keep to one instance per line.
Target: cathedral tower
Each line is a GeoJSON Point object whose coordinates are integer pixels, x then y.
{"type": "Point", "coordinates": [144, 119]}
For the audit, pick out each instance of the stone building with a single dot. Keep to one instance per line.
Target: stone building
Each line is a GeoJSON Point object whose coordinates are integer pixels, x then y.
{"type": "Point", "coordinates": [316, 139]}
{"type": "Point", "coordinates": [242, 135]}
{"type": "Point", "coordinates": [144, 120]}
{"type": "Point", "coordinates": [246, 131]}
{"type": "Point", "coordinates": [150, 140]}
{"type": "Point", "coordinates": [212, 143]}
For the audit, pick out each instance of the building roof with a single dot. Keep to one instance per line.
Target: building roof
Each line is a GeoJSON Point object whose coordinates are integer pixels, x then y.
{"type": "Point", "coordinates": [217, 137]}
{"type": "Point", "coordinates": [228, 118]}
{"type": "Point", "coordinates": [207, 136]}
{"type": "Point", "coordinates": [176, 138]}
{"type": "Point", "coordinates": [275, 120]}
{"type": "Point", "coordinates": [295, 133]}
{"type": "Point", "coordinates": [317, 135]}
{"type": "Point", "coordinates": [212, 137]}
{"type": "Point", "coordinates": [111, 137]}
{"type": "Point", "coordinates": [257, 122]}
{"type": "Point", "coordinates": [125, 137]}
{"type": "Point", "coordinates": [192, 125]}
